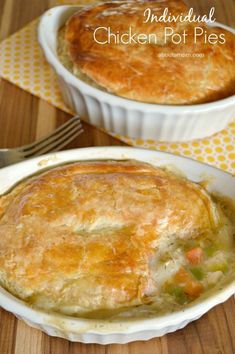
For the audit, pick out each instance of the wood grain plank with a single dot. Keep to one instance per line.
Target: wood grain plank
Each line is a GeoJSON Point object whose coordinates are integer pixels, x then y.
{"type": "Point", "coordinates": [117, 349]}
{"type": "Point", "coordinates": [57, 345]}
{"type": "Point", "coordinates": [6, 15]}
{"type": "Point", "coordinates": [28, 338]}
{"type": "Point", "coordinates": [17, 116]}
{"type": "Point", "coordinates": [229, 309]}
{"type": "Point", "coordinates": [46, 119]}
{"type": "Point", "coordinates": [224, 10]}
{"type": "Point", "coordinates": [8, 324]}
{"type": "Point", "coordinates": [25, 11]}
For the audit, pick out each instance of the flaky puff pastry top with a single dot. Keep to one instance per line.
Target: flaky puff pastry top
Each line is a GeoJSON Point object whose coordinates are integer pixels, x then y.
{"type": "Point", "coordinates": [152, 73]}
{"type": "Point", "coordinates": [83, 237]}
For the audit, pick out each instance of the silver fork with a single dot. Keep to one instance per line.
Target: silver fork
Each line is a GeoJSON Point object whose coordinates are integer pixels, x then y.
{"type": "Point", "coordinates": [54, 141]}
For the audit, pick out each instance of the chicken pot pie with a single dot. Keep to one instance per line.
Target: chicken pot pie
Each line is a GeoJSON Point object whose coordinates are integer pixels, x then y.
{"type": "Point", "coordinates": [99, 238]}
{"type": "Point", "coordinates": [169, 71]}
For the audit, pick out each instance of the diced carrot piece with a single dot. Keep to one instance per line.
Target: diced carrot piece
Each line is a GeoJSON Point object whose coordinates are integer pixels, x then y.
{"type": "Point", "coordinates": [190, 286]}
{"type": "Point", "coordinates": [193, 288]}
{"type": "Point", "coordinates": [182, 276]}
{"type": "Point", "coordinates": [195, 256]}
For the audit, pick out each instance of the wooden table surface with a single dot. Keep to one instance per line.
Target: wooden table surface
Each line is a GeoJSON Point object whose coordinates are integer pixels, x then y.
{"type": "Point", "coordinates": [23, 118]}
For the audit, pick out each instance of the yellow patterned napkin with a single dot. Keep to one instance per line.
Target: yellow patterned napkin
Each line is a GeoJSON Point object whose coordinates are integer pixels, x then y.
{"type": "Point", "coordinates": [22, 63]}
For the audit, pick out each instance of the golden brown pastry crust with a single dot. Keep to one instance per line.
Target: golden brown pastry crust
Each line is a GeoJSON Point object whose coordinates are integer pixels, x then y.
{"type": "Point", "coordinates": [137, 71]}
{"type": "Point", "coordinates": [82, 237]}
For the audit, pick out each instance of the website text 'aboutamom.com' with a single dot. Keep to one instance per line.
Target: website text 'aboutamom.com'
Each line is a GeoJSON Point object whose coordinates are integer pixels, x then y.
{"type": "Point", "coordinates": [181, 55]}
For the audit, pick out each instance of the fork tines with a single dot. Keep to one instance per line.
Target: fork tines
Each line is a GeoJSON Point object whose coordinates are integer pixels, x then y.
{"type": "Point", "coordinates": [55, 141]}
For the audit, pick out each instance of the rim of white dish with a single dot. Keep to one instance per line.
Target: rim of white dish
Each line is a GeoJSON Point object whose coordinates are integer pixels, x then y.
{"type": "Point", "coordinates": [107, 326]}
{"type": "Point", "coordinates": [101, 94]}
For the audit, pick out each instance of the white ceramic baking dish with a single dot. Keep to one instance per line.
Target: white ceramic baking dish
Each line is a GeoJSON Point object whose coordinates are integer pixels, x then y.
{"type": "Point", "coordinates": [127, 117]}
{"type": "Point", "coordinates": [105, 331]}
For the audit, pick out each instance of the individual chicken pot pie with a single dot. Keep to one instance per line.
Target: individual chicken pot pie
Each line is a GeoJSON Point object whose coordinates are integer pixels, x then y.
{"type": "Point", "coordinates": [165, 68]}
{"type": "Point", "coordinates": [99, 238]}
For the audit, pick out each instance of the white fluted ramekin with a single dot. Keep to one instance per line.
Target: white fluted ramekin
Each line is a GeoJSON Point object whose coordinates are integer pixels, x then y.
{"type": "Point", "coordinates": [127, 117]}
{"type": "Point", "coordinates": [106, 331]}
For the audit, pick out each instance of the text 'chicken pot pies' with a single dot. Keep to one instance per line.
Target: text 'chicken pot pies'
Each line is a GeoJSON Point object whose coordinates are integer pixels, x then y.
{"type": "Point", "coordinates": [106, 238]}
{"type": "Point", "coordinates": [119, 47]}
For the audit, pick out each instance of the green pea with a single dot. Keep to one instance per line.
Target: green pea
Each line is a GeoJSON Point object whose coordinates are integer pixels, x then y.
{"type": "Point", "coordinates": [223, 267]}
{"type": "Point", "coordinates": [209, 251]}
{"type": "Point", "coordinates": [178, 293]}
{"type": "Point", "coordinates": [198, 273]}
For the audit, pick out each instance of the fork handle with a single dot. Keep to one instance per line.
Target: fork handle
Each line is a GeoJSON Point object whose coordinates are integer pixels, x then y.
{"type": "Point", "coordinates": [8, 157]}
